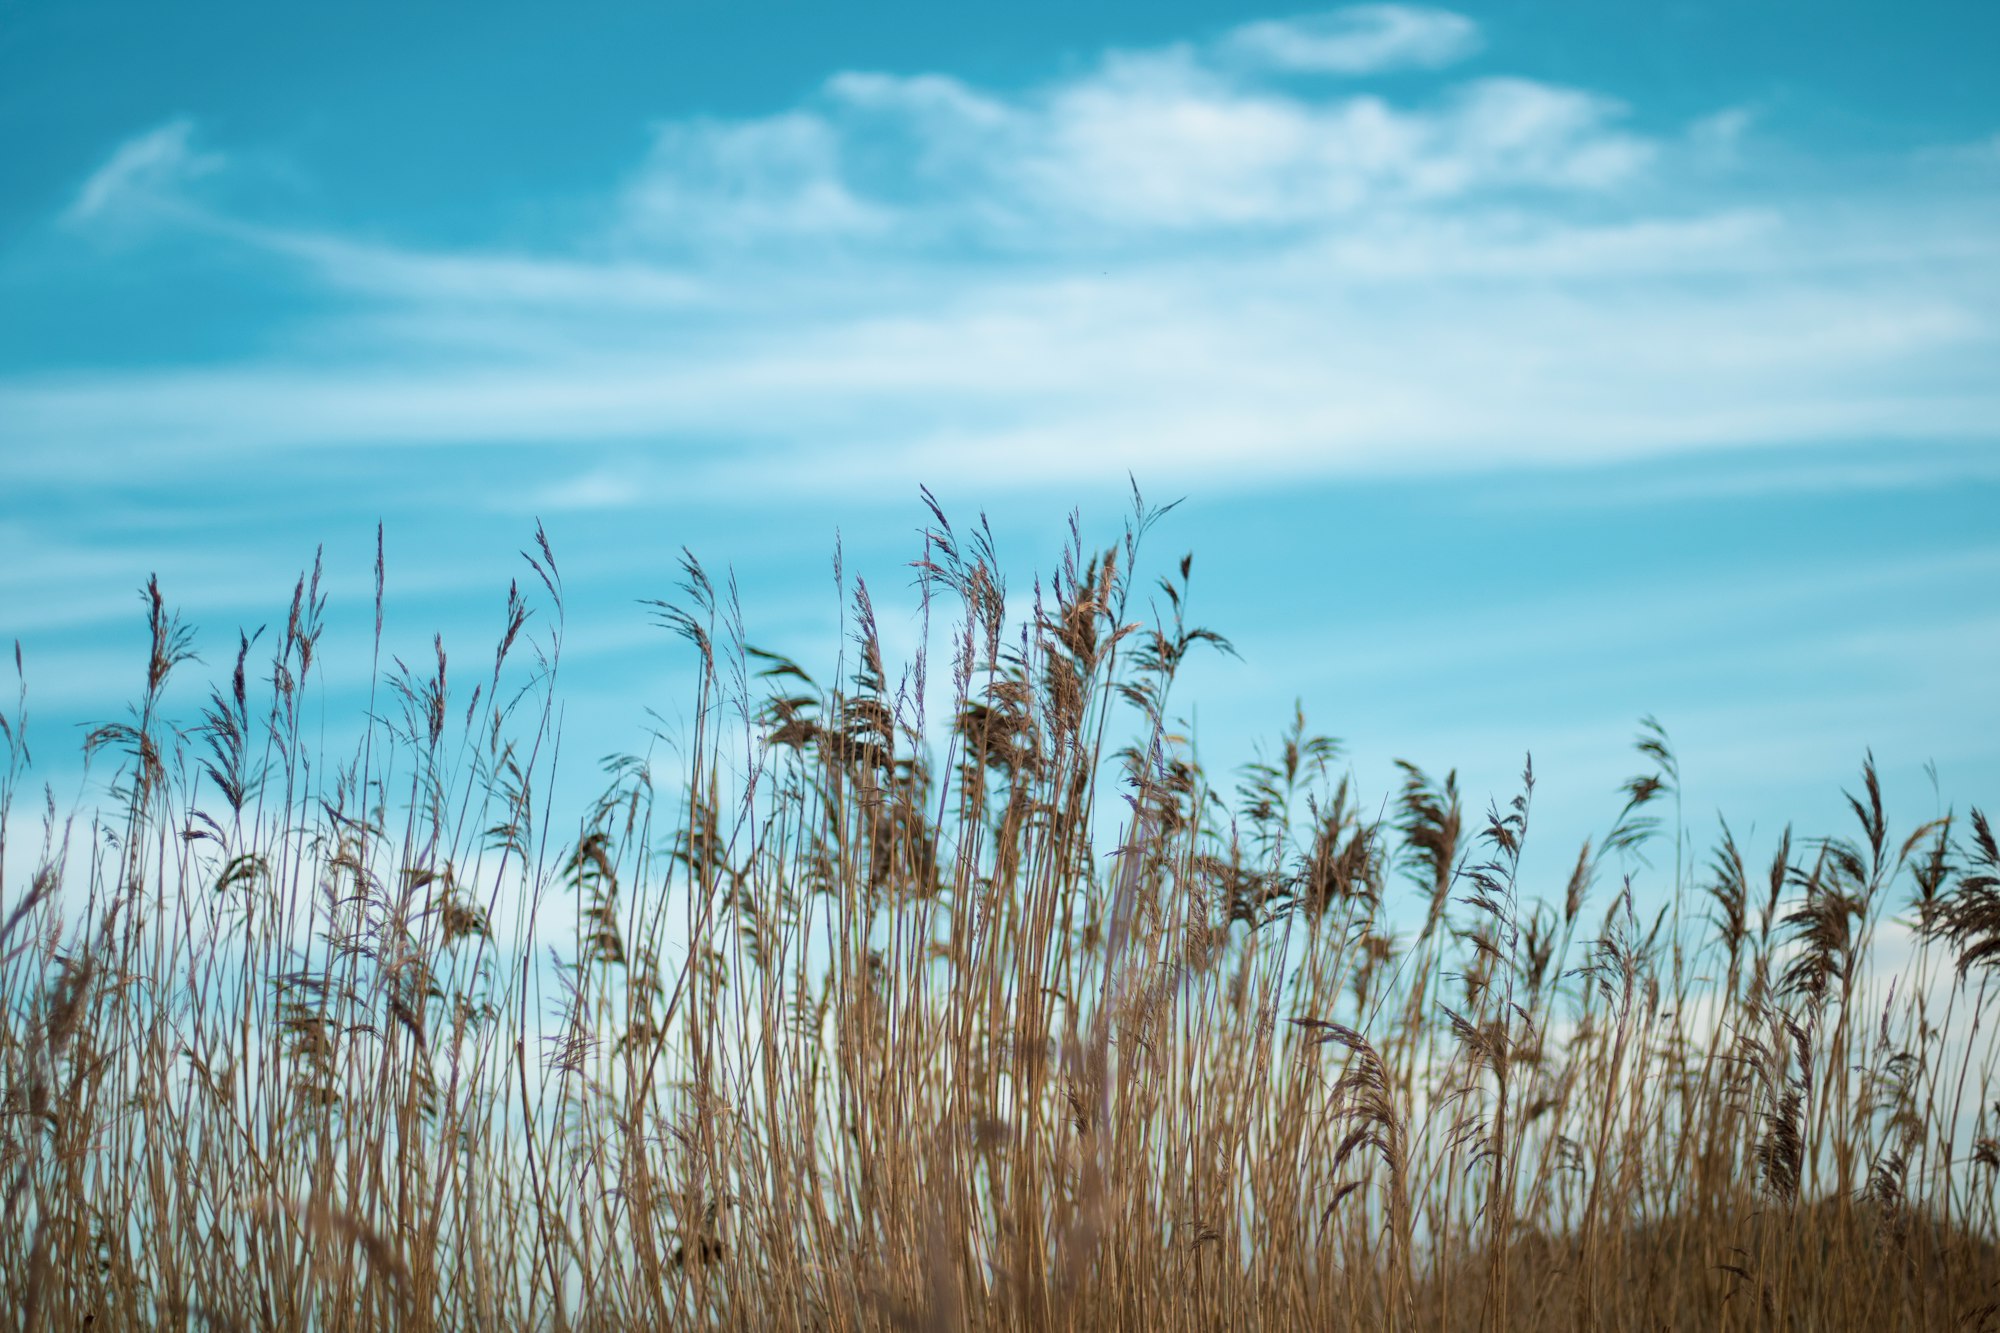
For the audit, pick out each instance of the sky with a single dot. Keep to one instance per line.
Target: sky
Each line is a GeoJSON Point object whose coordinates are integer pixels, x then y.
{"type": "Point", "coordinates": [1522, 369]}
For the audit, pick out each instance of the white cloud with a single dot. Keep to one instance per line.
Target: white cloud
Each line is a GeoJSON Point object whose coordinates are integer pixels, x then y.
{"type": "Point", "coordinates": [737, 182]}
{"type": "Point", "coordinates": [148, 170]}
{"type": "Point", "coordinates": [1363, 39]}
{"type": "Point", "coordinates": [508, 281]}
{"type": "Point", "coordinates": [1516, 131]}
{"type": "Point", "coordinates": [941, 102]}
{"type": "Point", "coordinates": [1720, 134]}
{"type": "Point", "coordinates": [1168, 143]}
{"type": "Point", "coordinates": [1176, 139]}
{"type": "Point", "coordinates": [1159, 145]}
{"type": "Point", "coordinates": [1522, 343]}
{"type": "Point", "coordinates": [1166, 262]}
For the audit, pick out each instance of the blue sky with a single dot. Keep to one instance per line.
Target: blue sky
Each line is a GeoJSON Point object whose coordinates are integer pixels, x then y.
{"type": "Point", "coordinates": [1525, 368]}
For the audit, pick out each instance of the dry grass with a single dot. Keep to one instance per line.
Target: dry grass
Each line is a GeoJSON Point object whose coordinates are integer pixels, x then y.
{"type": "Point", "coordinates": [855, 1023]}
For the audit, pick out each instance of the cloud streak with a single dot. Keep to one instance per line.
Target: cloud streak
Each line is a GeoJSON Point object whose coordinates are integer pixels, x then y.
{"type": "Point", "coordinates": [1365, 39]}
{"type": "Point", "coordinates": [1207, 261]}
{"type": "Point", "coordinates": [142, 173]}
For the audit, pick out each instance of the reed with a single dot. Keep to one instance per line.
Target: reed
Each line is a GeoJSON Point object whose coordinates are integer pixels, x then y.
{"type": "Point", "coordinates": [1014, 1017]}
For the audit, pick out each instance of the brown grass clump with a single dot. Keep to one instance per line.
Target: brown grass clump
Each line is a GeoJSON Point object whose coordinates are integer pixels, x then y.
{"type": "Point", "coordinates": [1009, 1018]}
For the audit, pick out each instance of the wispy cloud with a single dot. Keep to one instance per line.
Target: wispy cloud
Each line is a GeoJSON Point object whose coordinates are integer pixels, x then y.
{"type": "Point", "coordinates": [728, 182]}
{"type": "Point", "coordinates": [1178, 143]}
{"type": "Point", "coordinates": [1199, 262]}
{"type": "Point", "coordinates": [1365, 39]}
{"type": "Point", "coordinates": [145, 172]}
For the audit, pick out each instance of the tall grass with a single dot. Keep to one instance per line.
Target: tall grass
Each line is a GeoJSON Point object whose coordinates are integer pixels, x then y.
{"type": "Point", "coordinates": [1014, 1017]}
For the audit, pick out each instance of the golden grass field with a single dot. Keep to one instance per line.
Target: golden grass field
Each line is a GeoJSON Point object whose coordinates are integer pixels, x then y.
{"type": "Point", "coordinates": [1010, 1018]}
